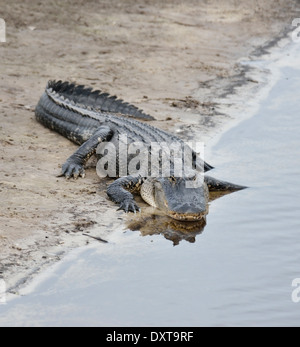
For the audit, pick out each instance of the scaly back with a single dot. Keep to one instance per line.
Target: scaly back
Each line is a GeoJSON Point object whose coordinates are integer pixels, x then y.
{"type": "Point", "coordinates": [95, 100]}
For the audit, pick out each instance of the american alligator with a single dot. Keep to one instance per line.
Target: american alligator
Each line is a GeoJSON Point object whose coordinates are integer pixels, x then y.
{"type": "Point", "coordinates": [90, 118]}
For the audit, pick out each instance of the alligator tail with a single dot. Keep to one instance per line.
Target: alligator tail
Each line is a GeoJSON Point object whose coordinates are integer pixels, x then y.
{"type": "Point", "coordinates": [95, 99]}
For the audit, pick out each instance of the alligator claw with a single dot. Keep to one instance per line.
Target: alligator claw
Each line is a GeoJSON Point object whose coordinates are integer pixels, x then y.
{"type": "Point", "coordinates": [72, 170]}
{"type": "Point", "coordinates": [129, 206]}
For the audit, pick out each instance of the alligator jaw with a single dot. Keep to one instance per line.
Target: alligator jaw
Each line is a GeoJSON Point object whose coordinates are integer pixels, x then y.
{"type": "Point", "coordinates": [187, 217]}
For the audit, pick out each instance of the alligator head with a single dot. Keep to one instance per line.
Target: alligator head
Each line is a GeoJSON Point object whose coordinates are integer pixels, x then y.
{"type": "Point", "coordinates": [179, 198]}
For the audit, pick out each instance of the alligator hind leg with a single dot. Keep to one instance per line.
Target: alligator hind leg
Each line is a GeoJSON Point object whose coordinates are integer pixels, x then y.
{"type": "Point", "coordinates": [217, 185]}
{"type": "Point", "coordinates": [120, 192]}
{"type": "Point", "coordinates": [74, 166]}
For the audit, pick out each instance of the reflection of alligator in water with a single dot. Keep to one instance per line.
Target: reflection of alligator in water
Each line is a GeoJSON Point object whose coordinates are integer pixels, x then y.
{"type": "Point", "coordinates": [152, 222]}
{"type": "Point", "coordinates": [171, 229]}
{"type": "Point", "coordinates": [89, 118]}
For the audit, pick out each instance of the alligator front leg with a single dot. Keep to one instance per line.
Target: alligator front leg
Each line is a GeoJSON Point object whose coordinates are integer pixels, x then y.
{"type": "Point", "coordinates": [74, 166]}
{"type": "Point", "coordinates": [120, 192]}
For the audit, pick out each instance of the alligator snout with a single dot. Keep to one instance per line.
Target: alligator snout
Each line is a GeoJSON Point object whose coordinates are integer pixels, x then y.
{"type": "Point", "coordinates": [188, 212]}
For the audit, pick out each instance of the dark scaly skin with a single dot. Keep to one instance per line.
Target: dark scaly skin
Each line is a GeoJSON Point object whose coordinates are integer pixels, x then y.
{"type": "Point", "coordinates": [89, 118]}
{"type": "Point", "coordinates": [121, 192]}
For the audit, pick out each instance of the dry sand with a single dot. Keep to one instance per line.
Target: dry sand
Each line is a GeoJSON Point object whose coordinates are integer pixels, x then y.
{"type": "Point", "coordinates": [175, 59]}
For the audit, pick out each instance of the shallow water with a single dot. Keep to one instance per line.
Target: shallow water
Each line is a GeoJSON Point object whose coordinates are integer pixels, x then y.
{"type": "Point", "coordinates": [238, 271]}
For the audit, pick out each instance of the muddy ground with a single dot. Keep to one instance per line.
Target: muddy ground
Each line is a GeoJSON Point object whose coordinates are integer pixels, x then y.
{"type": "Point", "coordinates": [172, 58]}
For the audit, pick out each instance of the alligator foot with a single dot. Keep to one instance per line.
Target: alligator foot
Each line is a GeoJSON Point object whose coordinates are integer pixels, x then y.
{"type": "Point", "coordinates": [118, 193]}
{"type": "Point", "coordinates": [129, 206]}
{"type": "Point", "coordinates": [72, 169]}
{"type": "Point", "coordinates": [74, 166]}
